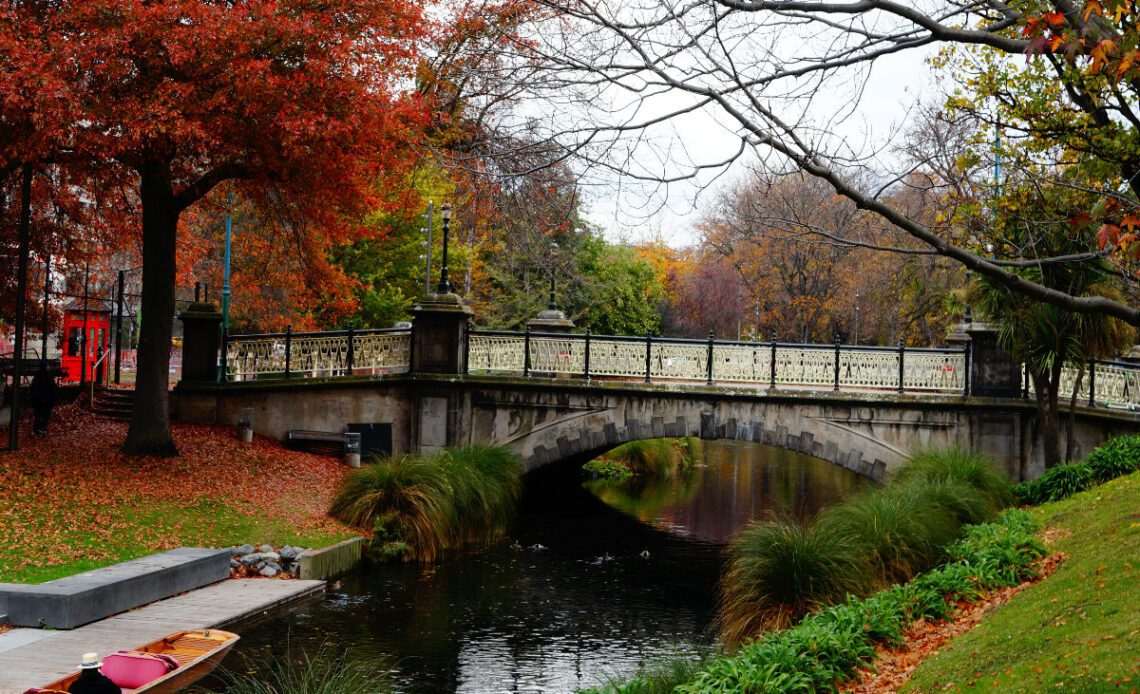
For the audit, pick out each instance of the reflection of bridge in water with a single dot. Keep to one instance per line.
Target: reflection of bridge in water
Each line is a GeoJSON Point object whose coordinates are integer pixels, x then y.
{"type": "Point", "coordinates": [553, 396]}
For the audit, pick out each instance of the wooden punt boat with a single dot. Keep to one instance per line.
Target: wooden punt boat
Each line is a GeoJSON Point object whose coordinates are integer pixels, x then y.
{"type": "Point", "coordinates": [197, 652]}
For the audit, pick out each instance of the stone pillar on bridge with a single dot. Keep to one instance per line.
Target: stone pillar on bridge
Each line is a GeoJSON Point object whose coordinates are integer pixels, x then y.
{"type": "Point", "coordinates": [439, 346]}
{"type": "Point", "coordinates": [201, 339]}
{"type": "Point", "coordinates": [439, 335]}
{"type": "Point", "coordinates": [993, 373]}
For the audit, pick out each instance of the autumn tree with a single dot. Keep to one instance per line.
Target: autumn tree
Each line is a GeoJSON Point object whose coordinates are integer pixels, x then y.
{"type": "Point", "coordinates": [299, 103]}
{"type": "Point", "coordinates": [620, 80]}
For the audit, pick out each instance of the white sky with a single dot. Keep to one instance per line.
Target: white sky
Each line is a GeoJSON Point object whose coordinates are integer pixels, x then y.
{"type": "Point", "coordinates": [895, 84]}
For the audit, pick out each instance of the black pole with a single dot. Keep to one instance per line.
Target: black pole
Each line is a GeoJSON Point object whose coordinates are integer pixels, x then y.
{"type": "Point", "coordinates": [222, 375]}
{"type": "Point", "coordinates": [444, 283]}
{"type": "Point", "coordinates": [902, 359]}
{"type": "Point", "coordinates": [709, 361]}
{"type": "Point", "coordinates": [349, 356]}
{"type": "Point", "coordinates": [648, 355]}
{"type": "Point", "coordinates": [836, 386]}
{"type": "Point", "coordinates": [1092, 383]}
{"type": "Point", "coordinates": [772, 363]}
{"type": "Point", "coordinates": [197, 289]}
{"type": "Point", "coordinates": [966, 361]}
{"type": "Point", "coordinates": [21, 287]}
{"type": "Point", "coordinates": [552, 306]}
{"type": "Point", "coordinates": [83, 338]}
{"type": "Point", "coordinates": [288, 348]}
{"type": "Point", "coordinates": [47, 309]}
{"type": "Point", "coordinates": [119, 322]}
{"type": "Point", "coordinates": [587, 369]}
{"type": "Point", "coordinates": [526, 346]}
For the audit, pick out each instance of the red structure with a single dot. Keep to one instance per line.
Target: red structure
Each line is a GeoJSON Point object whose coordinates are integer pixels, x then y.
{"type": "Point", "coordinates": [97, 324]}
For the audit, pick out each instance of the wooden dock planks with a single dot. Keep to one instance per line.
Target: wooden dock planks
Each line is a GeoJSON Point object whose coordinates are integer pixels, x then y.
{"type": "Point", "coordinates": [25, 664]}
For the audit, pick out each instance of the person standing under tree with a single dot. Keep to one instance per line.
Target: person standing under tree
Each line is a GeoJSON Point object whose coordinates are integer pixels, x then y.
{"type": "Point", "coordinates": [43, 399]}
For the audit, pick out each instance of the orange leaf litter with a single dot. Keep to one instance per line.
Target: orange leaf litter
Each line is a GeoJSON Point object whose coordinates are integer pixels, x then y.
{"type": "Point", "coordinates": [894, 666]}
{"type": "Point", "coordinates": [76, 479]}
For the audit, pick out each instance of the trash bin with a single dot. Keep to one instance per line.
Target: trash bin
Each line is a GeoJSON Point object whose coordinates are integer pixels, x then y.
{"type": "Point", "coordinates": [245, 426]}
{"type": "Point", "coordinates": [352, 449]}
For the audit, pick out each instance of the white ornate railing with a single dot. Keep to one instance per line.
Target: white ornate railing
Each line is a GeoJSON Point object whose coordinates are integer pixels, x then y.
{"type": "Point", "coordinates": [315, 355]}
{"type": "Point", "coordinates": [772, 364]}
{"type": "Point", "coordinates": [1111, 384]}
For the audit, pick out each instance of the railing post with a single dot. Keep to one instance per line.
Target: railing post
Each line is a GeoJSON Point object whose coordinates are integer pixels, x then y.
{"type": "Point", "coordinates": [223, 370]}
{"type": "Point", "coordinates": [1025, 381]}
{"type": "Point", "coordinates": [966, 365]}
{"type": "Point", "coordinates": [1092, 382]}
{"type": "Point", "coordinates": [288, 348]}
{"type": "Point", "coordinates": [836, 387]}
{"type": "Point", "coordinates": [772, 363]}
{"type": "Point", "coordinates": [709, 380]}
{"type": "Point", "coordinates": [902, 364]}
{"type": "Point", "coordinates": [648, 353]}
{"type": "Point", "coordinates": [526, 352]}
{"type": "Point", "coordinates": [587, 354]}
{"type": "Point", "coordinates": [348, 358]}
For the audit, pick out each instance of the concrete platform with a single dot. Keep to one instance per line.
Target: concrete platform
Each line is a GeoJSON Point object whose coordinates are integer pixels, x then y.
{"type": "Point", "coordinates": [34, 657]}
{"type": "Point", "coordinates": [73, 601]}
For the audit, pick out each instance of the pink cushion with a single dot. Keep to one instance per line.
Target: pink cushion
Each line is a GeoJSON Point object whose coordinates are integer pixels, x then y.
{"type": "Point", "coordinates": [132, 669]}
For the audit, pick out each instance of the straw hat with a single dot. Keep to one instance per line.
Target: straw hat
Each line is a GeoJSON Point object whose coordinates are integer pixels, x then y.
{"type": "Point", "coordinates": [90, 661]}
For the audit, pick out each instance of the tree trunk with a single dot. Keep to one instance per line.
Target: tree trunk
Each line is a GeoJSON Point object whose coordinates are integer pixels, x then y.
{"type": "Point", "coordinates": [1046, 393]}
{"type": "Point", "coordinates": [1070, 423]}
{"type": "Point", "coordinates": [149, 432]}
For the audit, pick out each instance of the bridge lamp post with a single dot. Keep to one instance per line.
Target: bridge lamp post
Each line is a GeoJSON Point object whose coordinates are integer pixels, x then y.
{"type": "Point", "coordinates": [444, 286]}
{"type": "Point", "coordinates": [856, 318]}
{"type": "Point", "coordinates": [552, 305]}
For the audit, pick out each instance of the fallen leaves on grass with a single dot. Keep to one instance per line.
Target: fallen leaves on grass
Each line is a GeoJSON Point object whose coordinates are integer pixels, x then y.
{"type": "Point", "coordinates": [894, 666]}
{"type": "Point", "coordinates": [72, 496]}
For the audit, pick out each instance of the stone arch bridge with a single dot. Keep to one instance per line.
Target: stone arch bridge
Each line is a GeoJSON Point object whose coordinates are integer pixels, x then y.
{"type": "Point", "coordinates": [554, 397]}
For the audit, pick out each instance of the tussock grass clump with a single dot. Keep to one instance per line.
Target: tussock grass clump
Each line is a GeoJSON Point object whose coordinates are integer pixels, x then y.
{"type": "Point", "coordinates": [780, 571]}
{"type": "Point", "coordinates": [659, 676]}
{"type": "Point", "coordinates": [897, 532]}
{"type": "Point", "coordinates": [664, 458]}
{"type": "Point", "coordinates": [956, 464]}
{"type": "Point", "coordinates": [324, 672]}
{"type": "Point", "coordinates": [418, 508]}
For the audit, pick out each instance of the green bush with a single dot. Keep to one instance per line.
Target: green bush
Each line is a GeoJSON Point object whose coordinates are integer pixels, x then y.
{"type": "Point", "coordinates": [658, 457]}
{"type": "Point", "coordinates": [780, 571]}
{"type": "Point", "coordinates": [418, 508]}
{"type": "Point", "coordinates": [1118, 457]}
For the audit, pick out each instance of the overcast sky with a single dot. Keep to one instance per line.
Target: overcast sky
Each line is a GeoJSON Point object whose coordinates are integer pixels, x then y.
{"type": "Point", "coordinates": [626, 211]}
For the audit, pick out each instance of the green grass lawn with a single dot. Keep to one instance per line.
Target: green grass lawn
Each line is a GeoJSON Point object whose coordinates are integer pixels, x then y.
{"type": "Point", "coordinates": [1076, 631]}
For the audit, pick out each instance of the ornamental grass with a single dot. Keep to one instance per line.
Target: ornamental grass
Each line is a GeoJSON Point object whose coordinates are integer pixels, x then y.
{"type": "Point", "coordinates": [417, 508]}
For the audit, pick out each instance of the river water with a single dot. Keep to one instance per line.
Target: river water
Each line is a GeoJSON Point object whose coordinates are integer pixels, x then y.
{"type": "Point", "coordinates": [610, 576]}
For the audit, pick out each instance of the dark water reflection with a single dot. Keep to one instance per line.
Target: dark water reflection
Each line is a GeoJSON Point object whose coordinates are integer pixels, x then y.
{"type": "Point", "coordinates": [564, 617]}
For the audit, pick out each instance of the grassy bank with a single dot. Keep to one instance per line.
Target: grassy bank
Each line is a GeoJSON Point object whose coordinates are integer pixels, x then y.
{"type": "Point", "coordinates": [71, 502]}
{"type": "Point", "coordinates": [1076, 631]}
{"type": "Point", "coordinates": [663, 458]}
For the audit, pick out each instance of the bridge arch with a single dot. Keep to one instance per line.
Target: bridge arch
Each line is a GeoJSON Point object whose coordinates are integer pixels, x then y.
{"type": "Point", "coordinates": [543, 432]}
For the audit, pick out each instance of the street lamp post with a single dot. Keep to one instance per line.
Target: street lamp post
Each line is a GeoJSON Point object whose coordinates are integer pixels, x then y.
{"type": "Point", "coordinates": [856, 319]}
{"type": "Point", "coordinates": [226, 277]}
{"type": "Point", "coordinates": [444, 283]}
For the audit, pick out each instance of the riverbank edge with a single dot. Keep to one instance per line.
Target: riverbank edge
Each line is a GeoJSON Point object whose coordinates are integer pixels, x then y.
{"type": "Point", "coordinates": [829, 647]}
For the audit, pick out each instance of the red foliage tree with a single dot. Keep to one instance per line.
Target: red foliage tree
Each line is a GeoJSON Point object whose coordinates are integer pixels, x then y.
{"type": "Point", "coordinates": [298, 101]}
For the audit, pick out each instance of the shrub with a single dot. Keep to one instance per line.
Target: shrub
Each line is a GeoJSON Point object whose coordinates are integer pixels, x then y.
{"type": "Point", "coordinates": [660, 457]}
{"type": "Point", "coordinates": [896, 532]}
{"type": "Point", "coordinates": [421, 507]}
{"type": "Point", "coordinates": [780, 571]}
{"type": "Point", "coordinates": [956, 464]}
{"type": "Point", "coordinates": [1118, 457]}
{"type": "Point", "coordinates": [1057, 483]}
